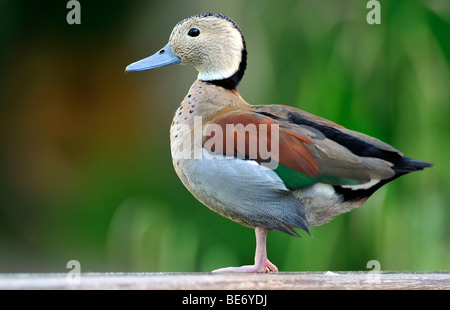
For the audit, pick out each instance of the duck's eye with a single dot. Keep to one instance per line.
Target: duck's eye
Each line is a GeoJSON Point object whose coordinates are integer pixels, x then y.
{"type": "Point", "coordinates": [193, 32]}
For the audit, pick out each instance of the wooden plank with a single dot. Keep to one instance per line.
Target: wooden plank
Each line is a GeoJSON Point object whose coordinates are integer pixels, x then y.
{"type": "Point", "coordinates": [207, 281]}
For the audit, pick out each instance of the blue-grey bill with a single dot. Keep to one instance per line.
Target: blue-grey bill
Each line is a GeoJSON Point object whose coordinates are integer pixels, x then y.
{"type": "Point", "coordinates": [163, 57]}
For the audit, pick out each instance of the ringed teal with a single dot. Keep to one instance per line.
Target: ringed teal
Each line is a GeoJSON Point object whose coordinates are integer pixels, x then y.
{"type": "Point", "coordinates": [268, 167]}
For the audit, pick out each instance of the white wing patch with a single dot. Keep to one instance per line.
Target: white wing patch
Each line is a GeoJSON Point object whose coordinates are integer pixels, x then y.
{"type": "Point", "coordinates": [366, 185]}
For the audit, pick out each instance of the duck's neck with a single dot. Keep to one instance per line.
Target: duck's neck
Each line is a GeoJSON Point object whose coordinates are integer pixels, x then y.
{"type": "Point", "coordinates": [231, 82]}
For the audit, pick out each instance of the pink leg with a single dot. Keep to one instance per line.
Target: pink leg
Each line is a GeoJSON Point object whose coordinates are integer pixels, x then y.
{"type": "Point", "coordinates": [262, 264]}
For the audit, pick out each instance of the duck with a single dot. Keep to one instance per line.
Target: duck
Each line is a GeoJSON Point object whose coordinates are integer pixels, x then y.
{"type": "Point", "coordinates": [267, 167]}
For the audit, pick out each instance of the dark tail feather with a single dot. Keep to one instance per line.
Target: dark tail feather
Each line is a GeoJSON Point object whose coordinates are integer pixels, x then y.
{"type": "Point", "coordinates": [408, 165]}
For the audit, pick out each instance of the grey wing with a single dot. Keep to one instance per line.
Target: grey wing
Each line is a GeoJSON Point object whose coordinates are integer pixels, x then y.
{"type": "Point", "coordinates": [244, 192]}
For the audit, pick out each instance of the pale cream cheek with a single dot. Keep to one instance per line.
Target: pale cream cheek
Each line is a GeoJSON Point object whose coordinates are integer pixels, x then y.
{"type": "Point", "coordinates": [214, 56]}
{"type": "Point", "coordinates": [219, 63]}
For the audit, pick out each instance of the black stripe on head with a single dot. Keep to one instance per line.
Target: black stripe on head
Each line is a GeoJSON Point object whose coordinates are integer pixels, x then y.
{"type": "Point", "coordinates": [218, 15]}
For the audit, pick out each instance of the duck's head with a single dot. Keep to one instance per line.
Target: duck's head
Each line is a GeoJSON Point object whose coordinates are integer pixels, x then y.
{"type": "Point", "coordinates": [211, 42]}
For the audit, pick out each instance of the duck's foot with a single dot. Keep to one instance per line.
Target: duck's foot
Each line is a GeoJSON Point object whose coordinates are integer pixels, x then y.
{"type": "Point", "coordinates": [261, 268]}
{"type": "Point", "coordinates": [262, 264]}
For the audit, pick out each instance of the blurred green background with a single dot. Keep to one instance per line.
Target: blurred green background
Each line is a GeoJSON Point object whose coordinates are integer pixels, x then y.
{"type": "Point", "coordinates": [85, 165]}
